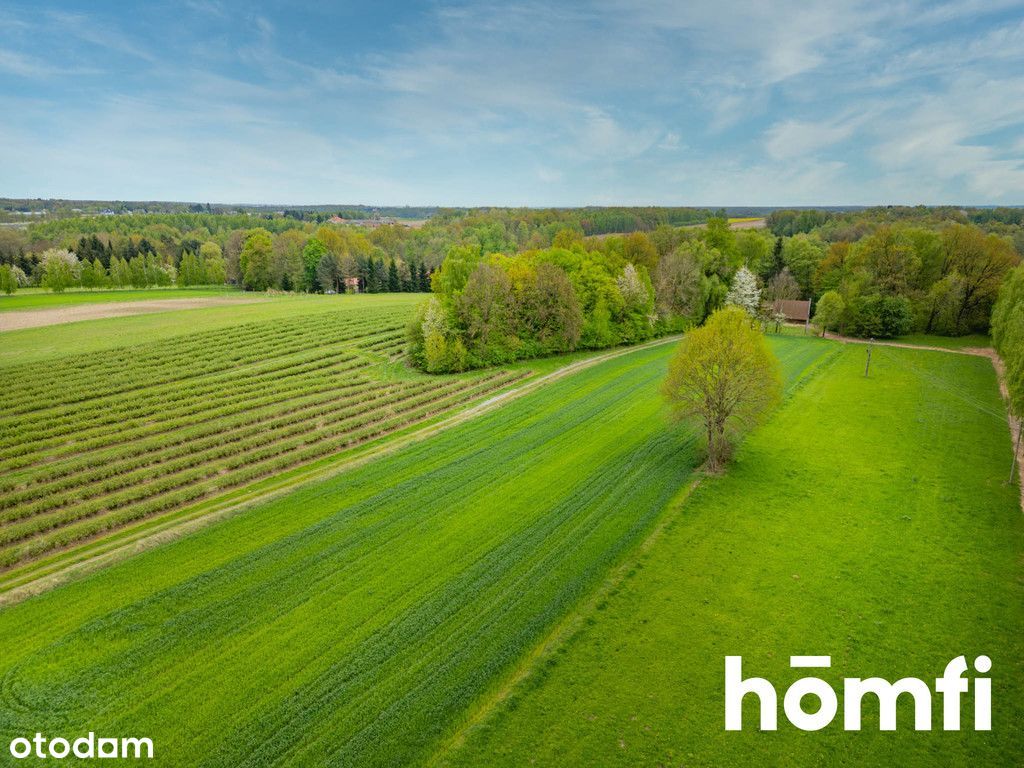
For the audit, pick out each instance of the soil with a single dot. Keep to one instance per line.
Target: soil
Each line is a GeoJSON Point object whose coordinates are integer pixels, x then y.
{"type": "Point", "coordinates": [36, 318]}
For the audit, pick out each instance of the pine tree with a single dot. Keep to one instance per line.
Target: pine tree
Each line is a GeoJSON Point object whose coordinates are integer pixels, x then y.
{"type": "Point", "coordinates": [380, 275]}
{"type": "Point", "coordinates": [364, 271]}
{"type": "Point", "coordinates": [776, 263]}
{"type": "Point", "coordinates": [424, 278]}
{"type": "Point", "coordinates": [394, 283]}
{"type": "Point", "coordinates": [410, 279]}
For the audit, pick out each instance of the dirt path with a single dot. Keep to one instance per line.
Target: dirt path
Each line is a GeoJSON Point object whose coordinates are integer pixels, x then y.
{"type": "Point", "coordinates": [15, 320]}
{"type": "Point", "coordinates": [1016, 425]}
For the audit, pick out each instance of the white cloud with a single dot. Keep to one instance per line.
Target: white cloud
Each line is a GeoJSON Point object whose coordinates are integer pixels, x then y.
{"type": "Point", "coordinates": [795, 138]}
{"type": "Point", "coordinates": [493, 102]}
{"type": "Point", "coordinates": [943, 137]}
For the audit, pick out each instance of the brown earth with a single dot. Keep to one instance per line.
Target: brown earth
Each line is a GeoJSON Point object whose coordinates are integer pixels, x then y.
{"type": "Point", "coordinates": [36, 318]}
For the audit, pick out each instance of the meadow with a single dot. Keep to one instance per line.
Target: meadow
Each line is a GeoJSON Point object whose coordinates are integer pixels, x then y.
{"type": "Point", "coordinates": [356, 621]}
{"type": "Point", "coordinates": [40, 298]}
{"type": "Point", "coordinates": [869, 520]}
{"type": "Point", "coordinates": [95, 443]}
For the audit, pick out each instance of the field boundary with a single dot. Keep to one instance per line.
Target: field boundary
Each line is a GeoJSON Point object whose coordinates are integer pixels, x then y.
{"type": "Point", "coordinates": [22, 583]}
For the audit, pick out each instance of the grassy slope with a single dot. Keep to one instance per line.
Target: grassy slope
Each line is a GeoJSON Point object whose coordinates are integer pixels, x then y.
{"type": "Point", "coordinates": [36, 344]}
{"type": "Point", "coordinates": [39, 299]}
{"type": "Point", "coordinates": [868, 521]}
{"type": "Point", "coordinates": [357, 620]}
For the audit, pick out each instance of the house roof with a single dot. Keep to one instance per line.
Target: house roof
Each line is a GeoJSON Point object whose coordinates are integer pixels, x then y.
{"type": "Point", "coordinates": [793, 309]}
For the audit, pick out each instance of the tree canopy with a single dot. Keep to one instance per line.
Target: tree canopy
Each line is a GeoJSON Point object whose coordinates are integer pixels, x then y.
{"type": "Point", "coordinates": [724, 378]}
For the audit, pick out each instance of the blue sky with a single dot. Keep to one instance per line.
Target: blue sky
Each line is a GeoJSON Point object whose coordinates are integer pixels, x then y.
{"type": "Point", "coordinates": [515, 103]}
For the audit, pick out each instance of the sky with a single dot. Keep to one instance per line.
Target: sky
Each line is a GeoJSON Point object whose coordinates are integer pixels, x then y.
{"type": "Point", "coordinates": [595, 102]}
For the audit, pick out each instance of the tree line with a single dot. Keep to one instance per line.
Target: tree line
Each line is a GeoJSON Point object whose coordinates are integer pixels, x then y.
{"type": "Point", "coordinates": [492, 307]}
{"type": "Point", "coordinates": [1008, 336]}
{"type": "Point", "coordinates": [579, 293]}
{"type": "Point", "coordinates": [877, 272]}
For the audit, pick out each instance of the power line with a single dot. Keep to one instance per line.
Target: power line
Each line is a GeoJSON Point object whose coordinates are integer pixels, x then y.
{"type": "Point", "coordinates": [943, 385]}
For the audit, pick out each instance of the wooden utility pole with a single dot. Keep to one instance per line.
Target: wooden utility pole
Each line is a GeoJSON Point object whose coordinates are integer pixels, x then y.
{"type": "Point", "coordinates": [867, 365]}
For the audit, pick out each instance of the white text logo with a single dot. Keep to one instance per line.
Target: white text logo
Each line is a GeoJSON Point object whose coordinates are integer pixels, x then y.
{"type": "Point", "coordinates": [85, 747]}
{"type": "Point", "coordinates": [952, 685]}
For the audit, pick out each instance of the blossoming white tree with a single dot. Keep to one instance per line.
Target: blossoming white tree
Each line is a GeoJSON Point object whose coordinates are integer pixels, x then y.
{"type": "Point", "coordinates": [744, 292]}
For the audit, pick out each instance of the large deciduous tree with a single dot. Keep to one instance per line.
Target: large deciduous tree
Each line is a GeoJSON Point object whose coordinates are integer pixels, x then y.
{"type": "Point", "coordinates": [724, 377]}
{"type": "Point", "coordinates": [1008, 335]}
{"type": "Point", "coordinates": [829, 312]}
{"type": "Point", "coordinates": [254, 260]}
{"type": "Point", "coordinates": [680, 286]}
{"type": "Point", "coordinates": [61, 269]}
{"type": "Point", "coordinates": [638, 249]}
{"type": "Point", "coordinates": [8, 283]}
{"type": "Point", "coordinates": [213, 263]}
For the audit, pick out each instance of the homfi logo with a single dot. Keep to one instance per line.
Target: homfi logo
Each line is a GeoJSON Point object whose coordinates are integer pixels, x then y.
{"type": "Point", "coordinates": [85, 747]}
{"type": "Point", "coordinates": [951, 686]}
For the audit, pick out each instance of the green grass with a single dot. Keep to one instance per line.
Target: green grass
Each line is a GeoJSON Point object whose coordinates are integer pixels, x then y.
{"type": "Point", "coordinates": [947, 342]}
{"type": "Point", "coordinates": [869, 521]}
{"type": "Point", "coordinates": [355, 622]}
{"type": "Point", "coordinates": [95, 443]}
{"type": "Point", "coordinates": [95, 336]}
{"type": "Point", "coordinates": [36, 298]}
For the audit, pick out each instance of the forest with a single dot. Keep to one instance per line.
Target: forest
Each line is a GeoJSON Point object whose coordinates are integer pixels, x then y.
{"type": "Point", "coordinates": [515, 283]}
{"type": "Point", "coordinates": [878, 273]}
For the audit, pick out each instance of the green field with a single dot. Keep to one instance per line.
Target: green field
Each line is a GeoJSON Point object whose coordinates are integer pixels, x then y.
{"type": "Point", "coordinates": [947, 342]}
{"type": "Point", "coordinates": [533, 585]}
{"type": "Point", "coordinates": [39, 298]}
{"type": "Point", "coordinates": [94, 336]}
{"type": "Point", "coordinates": [869, 521]}
{"type": "Point", "coordinates": [358, 620]}
{"type": "Point", "coordinates": [93, 444]}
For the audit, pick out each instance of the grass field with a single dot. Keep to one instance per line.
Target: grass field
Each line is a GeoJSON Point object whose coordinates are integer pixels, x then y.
{"type": "Point", "coordinates": [869, 521]}
{"type": "Point", "coordinates": [32, 345]}
{"type": "Point", "coordinates": [355, 622]}
{"type": "Point", "coordinates": [38, 298]}
{"type": "Point", "coordinates": [948, 342]}
{"type": "Point", "coordinates": [92, 443]}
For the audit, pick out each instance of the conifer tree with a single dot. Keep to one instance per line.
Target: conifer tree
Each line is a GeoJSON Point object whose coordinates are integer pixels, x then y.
{"type": "Point", "coordinates": [394, 283]}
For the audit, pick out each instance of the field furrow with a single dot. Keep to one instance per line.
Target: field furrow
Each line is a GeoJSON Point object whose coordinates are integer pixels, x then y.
{"type": "Point", "coordinates": [91, 445]}
{"type": "Point", "coordinates": [356, 621]}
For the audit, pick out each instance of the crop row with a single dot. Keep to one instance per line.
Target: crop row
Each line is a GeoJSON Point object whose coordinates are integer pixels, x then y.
{"type": "Point", "coordinates": [161, 408]}
{"type": "Point", "coordinates": [81, 470]}
{"type": "Point", "coordinates": [78, 437]}
{"type": "Point", "coordinates": [142, 476]}
{"type": "Point", "coordinates": [235, 469]}
{"type": "Point", "coordinates": [27, 396]}
{"type": "Point", "coordinates": [184, 348]}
